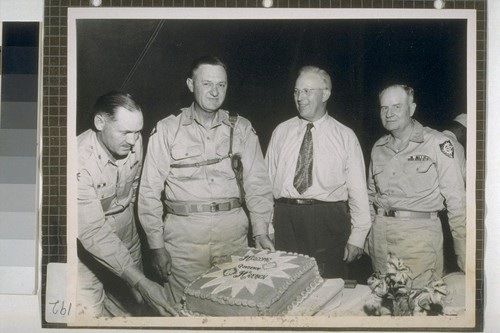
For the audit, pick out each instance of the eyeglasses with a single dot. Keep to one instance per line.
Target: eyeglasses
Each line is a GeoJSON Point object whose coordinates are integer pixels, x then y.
{"type": "Point", "coordinates": [305, 91]}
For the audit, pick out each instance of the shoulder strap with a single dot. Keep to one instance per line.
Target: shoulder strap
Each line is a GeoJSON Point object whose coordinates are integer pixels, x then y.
{"type": "Point", "coordinates": [233, 117]}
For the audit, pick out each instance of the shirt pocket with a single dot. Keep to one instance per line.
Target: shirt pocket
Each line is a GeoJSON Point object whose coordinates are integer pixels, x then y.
{"type": "Point", "coordinates": [421, 176]}
{"type": "Point", "coordinates": [127, 178]}
{"type": "Point", "coordinates": [185, 156]}
{"type": "Point", "coordinates": [106, 194]}
{"type": "Point", "coordinates": [223, 169]}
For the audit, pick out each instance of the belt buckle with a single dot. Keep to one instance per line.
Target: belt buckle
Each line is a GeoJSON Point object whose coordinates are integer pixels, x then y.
{"type": "Point", "coordinates": [214, 207]}
{"type": "Point", "coordinates": [391, 213]}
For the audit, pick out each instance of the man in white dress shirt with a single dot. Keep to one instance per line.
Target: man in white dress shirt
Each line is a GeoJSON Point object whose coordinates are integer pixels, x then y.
{"type": "Point", "coordinates": [317, 173]}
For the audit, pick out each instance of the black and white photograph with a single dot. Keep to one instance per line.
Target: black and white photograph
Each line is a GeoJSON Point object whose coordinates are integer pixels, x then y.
{"type": "Point", "coordinates": [271, 168]}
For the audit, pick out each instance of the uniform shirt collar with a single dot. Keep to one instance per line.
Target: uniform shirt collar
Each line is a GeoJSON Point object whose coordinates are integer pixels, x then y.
{"type": "Point", "coordinates": [102, 156]}
{"type": "Point", "coordinates": [220, 117]}
{"type": "Point", "coordinates": [417, 135]}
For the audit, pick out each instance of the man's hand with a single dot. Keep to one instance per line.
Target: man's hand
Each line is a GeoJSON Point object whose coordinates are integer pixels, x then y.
{"type": "Point", "coordinates": [352, 252]}
{"type": "Point", "coordinates": [161, 263]}
{"type": "Point", "coordinates": [264, 242]}
{"type": "Point", "coordinates": [156, 297]}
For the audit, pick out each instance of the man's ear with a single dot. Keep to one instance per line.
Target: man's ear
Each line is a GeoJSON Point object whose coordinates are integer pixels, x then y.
{"type": "Point", "coordinates": [413, 107]}
{"type": "Point", "coordinates": [326, 95]}
{"type": "Point", "coordinates": [99, 122]}
{"type": "Point", "coordinates": [190, 84]}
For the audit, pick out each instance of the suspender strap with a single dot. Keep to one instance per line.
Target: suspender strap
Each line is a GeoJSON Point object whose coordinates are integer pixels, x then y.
{"type": "Point", "coordinates": [236, 164]}
{"type": "Point", "coordinates": [232, 119]}
{"type": "Point", "coordinates": [199, 164]}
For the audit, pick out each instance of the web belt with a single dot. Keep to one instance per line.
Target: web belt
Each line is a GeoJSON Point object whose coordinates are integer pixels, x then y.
{"type": "Point", "coordinates": [186, 208]}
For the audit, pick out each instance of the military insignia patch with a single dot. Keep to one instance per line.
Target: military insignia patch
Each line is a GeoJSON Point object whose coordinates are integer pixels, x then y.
{"type": "Point", "coordinates": [447, 149]}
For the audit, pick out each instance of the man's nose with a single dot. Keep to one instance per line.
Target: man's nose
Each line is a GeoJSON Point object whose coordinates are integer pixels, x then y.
{"type": "Point", "coordinates": [214, 91]}
{"type": "Point", "coordinates": [390, 112]}
{"type": "Point", "coordinates": [301, 95]}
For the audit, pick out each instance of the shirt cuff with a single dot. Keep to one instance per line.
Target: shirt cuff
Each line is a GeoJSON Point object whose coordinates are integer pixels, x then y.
{"type": "Point", "coordinates": [357, 238]}
{"type": "Point", "coordinates": [133, 275]}
{"type": "Point", "coordinates": [156, 241]}
{"type": "Point", "coordinates": [260, 228]}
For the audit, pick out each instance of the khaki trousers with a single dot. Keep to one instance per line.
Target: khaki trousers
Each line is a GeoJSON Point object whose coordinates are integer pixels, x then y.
{"type": "Point", "coordinates": [418, 242]}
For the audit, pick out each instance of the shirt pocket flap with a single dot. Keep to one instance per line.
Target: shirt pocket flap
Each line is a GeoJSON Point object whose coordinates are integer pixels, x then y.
{"type": "Point", "coordinates": [181, 153]}
{"type": "Point", "coordinates": [417, 167]}
{"type": "Point", "coordinates": [105, 191]}
{"type": "Point", "coordinates": [424, 166]}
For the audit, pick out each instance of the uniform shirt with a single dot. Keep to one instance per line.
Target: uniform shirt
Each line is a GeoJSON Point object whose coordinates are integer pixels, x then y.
{"type": "Point", "coordinates": [422, 177]}
{"type": "Point", "coordinates": [106, 191]}
{"type": "Point", "coordinates": [338, 168]}
{"type": "Point", "coordinates": [182, 139]}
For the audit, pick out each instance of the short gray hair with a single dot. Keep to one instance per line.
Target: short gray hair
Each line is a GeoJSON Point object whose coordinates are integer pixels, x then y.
{"type": "Point", "coordinates": [325, 77]}
{"type": "Point", "coordinates": [407, 89]}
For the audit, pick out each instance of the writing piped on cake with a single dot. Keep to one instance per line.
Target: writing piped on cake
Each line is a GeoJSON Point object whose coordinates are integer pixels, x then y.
{"type": "Point", "coordinates": [270, 265]}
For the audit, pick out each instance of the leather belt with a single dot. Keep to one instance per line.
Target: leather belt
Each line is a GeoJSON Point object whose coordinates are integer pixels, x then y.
{"type": "Point", "coordinates": [300, 201]}
{"type": "Point", "coordinates": [186, 208]}
{"type": "Point", "coordinates": [406, 214]}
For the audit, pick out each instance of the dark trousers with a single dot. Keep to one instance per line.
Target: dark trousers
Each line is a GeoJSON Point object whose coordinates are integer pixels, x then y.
{"type": "Point", "coordinates": [320, 230]}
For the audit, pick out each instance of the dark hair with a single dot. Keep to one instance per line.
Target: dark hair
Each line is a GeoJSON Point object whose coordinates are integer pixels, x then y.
{"type": "Point", "coordinates": [108, 103]}
{"type": "Point", "coordinates": [205, 60]}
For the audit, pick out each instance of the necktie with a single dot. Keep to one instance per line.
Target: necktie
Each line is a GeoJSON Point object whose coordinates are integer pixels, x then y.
{"type": "Point", "coordinates": [303, 170]}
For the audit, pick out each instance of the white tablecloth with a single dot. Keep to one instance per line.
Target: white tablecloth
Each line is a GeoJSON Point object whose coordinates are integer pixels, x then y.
{"type": "Point", "coordinates": [351, 303]}
{"type": "Point", "coordinates": [332, 299]}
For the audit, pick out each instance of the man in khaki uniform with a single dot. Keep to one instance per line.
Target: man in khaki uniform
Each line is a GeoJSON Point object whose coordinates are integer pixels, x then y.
{"type": "Point", "coordinates": [189, 160]}
{"type": "Point", "coordinates": [110, 159]}
{"type": "Point", "coordinates": [413, 175]}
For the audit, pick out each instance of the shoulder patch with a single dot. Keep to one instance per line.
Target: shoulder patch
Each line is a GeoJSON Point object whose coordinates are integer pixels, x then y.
{"type": "Point", "coordinates": [447, 149]}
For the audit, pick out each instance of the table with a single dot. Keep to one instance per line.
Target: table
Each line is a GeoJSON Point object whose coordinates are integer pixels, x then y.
{"type": "Point", "coordinates": [332, 299]}
{"type": "Point", "coordinates": [351, 303]}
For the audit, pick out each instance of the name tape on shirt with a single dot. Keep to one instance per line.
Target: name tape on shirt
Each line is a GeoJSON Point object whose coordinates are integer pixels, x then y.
{"type": "Point", "coordinates": [419, 158]}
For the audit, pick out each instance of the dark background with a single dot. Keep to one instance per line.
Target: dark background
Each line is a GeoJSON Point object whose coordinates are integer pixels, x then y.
{"type": "Point", "coordinates": [150, 59]}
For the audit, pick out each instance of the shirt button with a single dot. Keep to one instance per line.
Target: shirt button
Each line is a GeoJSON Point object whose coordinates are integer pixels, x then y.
{"type": "Point", "coordinates": [212, 180]}
{"type": "Point", "coordinates": [186, 154]}
{"type": "Point", "coordinates": [208, 138]}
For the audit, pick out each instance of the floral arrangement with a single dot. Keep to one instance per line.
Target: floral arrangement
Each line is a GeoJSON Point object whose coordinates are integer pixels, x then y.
{"type": "Point", "coordinates": [392, 293]}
